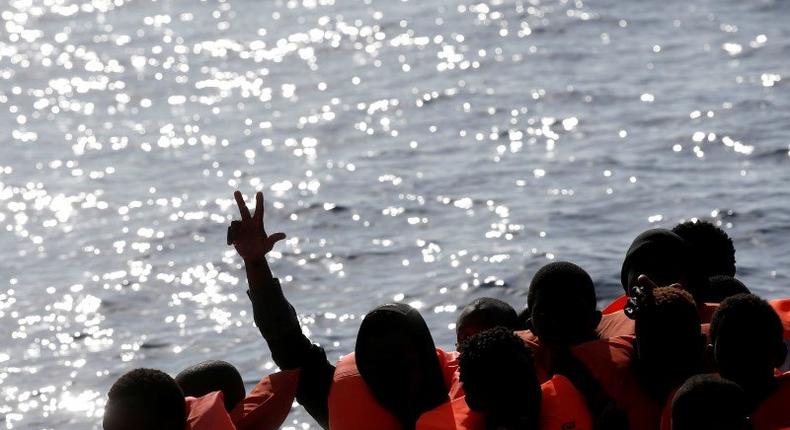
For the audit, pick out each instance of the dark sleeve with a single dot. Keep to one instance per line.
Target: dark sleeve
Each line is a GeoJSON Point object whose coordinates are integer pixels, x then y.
{"type": "Point", "coordinates": [277, 321]}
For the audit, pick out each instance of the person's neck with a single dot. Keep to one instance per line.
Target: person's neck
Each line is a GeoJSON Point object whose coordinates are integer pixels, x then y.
{"type": "Point", "coordinates": [758, 388]}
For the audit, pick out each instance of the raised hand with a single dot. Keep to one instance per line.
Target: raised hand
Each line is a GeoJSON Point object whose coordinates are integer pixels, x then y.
{"type": "Point", "coordinates": [641, 296]}
{"type": "Point", "coordinates": [248, 236]}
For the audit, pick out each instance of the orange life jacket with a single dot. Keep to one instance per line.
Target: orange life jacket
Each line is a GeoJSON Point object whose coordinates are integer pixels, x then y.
{"type": "Point", "coordinates": [562, 407]}
{"type": "Point", "coordinates": [452, 415]}
{"type": "Point", "coordinates": [615, 324]}
{"type": "Point", "coordinates": [353, 407]}
{"type": "Point", "coordinates": [208, 413]}
{"type": "Point", "coordinates": [774, 412]}
{"type": "Point", "coordinates": [541, 356]}
{"type": "Point", "coordinates": [609, 362]}
{"type": "Point", "coordinates": [782, 307]}
{"type": "Point", "coordinates": [617, 304]}
{"type": "Point", "coordinates": [267, 406]}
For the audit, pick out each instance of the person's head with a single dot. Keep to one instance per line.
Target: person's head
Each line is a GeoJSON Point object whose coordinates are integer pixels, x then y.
{"type": "Point", "coordinates": [562, 304]}
{"type": "Point", "coordinates": [483, 314]}
{"type": "Point", "coordinates": [723, 286]}
{"type": "Point", "coordinates": [210, 376]}
{"type": "Point", "coordinates": [747, 339]}
{"type": "Point", "coordinates": [498, 374]}
{"type": "Point", "coordinates": [670, 346]}
{"type": "Point", "coordinates": [145, 399]}
{"type": "Point", "coordinates": [709, 402]}
{"type": "Point", "coordinates": [396, 357]}
{"type": "Point", "coordinates": [664, 257]}
{"type": "Point", "coordinates": [712, 249]}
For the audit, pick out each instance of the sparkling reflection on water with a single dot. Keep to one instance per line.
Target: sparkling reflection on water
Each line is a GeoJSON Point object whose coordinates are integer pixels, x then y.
{"type": "Point", "coordinates": [427, 152]}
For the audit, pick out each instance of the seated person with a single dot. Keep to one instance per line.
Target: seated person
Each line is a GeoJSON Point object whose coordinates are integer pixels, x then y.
{"type": "Point", "coordinates": [639, 374]}
{"type": "Point", "coordinates": [562, 307]}
{"type": "Point", "coordinates": [499, 380]}
{"type": "Point", "coordinates": [748, 346]}
{"type": "Point", "coordinates": [709, 402]}
{"type": "Point", "coordinates": [210, 376]}
{"type": "Point", "coordinates": [394, 353]}
{"type": "Point", "coordinates": [502, 391]}
{"type": "Point", "coordinates": [711, 247]}
{"type": "Point", "coordinates": [483, 314]}
{"type": "Point", "coordinates": [722, 286]}
{"type": "Point", "coordinates": [145, 399]}
{"type": "Point", "coordinates": [664, 257]}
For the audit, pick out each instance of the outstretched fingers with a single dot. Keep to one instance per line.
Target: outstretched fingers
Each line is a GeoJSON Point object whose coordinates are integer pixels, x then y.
{"type": "Point", "coordinates": [258, 215]}
{"type": "Point", "coordinates": [245, 213]}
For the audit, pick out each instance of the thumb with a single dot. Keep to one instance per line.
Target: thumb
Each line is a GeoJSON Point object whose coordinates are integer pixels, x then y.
{"type": "Point", "coordinates": [276, 237]}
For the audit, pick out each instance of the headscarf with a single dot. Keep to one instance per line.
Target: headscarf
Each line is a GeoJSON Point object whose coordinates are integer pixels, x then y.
{"type": "Point", "coordinates": [394, 351]}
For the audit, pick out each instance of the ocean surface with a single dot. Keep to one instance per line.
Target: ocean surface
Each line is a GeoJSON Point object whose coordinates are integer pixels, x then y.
{"type": "Point", "coordinates": [428, 152]}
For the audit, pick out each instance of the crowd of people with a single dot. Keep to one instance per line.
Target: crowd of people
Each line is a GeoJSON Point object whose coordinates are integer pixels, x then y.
{"type": "Point", "coordinates": [687, 346]}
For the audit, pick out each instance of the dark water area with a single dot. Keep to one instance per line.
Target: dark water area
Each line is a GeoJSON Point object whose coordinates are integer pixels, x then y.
{"type": "Point", "coordinates": [426, 152]}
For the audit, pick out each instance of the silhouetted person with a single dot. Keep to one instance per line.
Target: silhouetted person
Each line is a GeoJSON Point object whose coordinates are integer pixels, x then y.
{"type": "Point", "coordinates": [722, 286]}
{"type": "Point", "coordinates": [747, 341]}
{"type": "Point", "coordinates": [639, 374]}
{"type": "Point", "coordinates": [499, 380]}
{"type": "Point", "coordinates": [711, 248]}
{"type": "Point", "coordinates": [483, 314]}
{"type": "Point", "coordinates": [709, 402]}
{"type": "Point", "coordinates": [210, 376]}
{"type": "Point", "coordinates": [562, 305]}
{"type": "Point", "coordinates": [145, 399]}
{"type": "Point", "coordinates": [669, 344]}
{"type": "Point", "coordinates": [665, 258]}
{"type": "Point", "coordinates": [395, 353]}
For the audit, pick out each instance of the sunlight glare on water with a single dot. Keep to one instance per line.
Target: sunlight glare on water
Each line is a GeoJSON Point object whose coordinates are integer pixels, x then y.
{"type": "Point", "coordinates": [421, 152]}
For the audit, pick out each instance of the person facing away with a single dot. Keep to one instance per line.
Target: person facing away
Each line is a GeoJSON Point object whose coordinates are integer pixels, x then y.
{"type": "Point", "coordinates": [499, 380]}
{"type": "Point", "coordinates": [562, 311]}
{"type": "Point", "coordinates": [711, 247]}
{"type": "Point", "coordinates": [483, 314]}
{"type": "Point", "coordinates": [562, 305]}
{"type": "Point", "coordinates": [213, 375]}
{"type": "Point", "coordinates": [747, 345]}
{"type": "Point", "coordinates": [395, 352]}
{"type": "Point", "coordinates": [145, 399]}
{"type": "Point", "coordinates": [639, 374]}
{"type": "Point", "coordinates": [709, 402]}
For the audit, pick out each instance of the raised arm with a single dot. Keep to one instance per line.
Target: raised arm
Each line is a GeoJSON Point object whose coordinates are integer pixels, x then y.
{"type": "Point", "coordinates": [275, 317]}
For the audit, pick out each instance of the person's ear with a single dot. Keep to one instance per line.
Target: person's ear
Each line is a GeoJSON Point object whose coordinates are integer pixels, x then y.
{"type": "Point", "coordinates": [710, 356]}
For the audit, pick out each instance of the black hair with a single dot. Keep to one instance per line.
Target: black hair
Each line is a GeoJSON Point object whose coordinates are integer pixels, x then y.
{"type": "Point", "coordinates": [669, 342]}
{"type": "Point", "coordinates": [712, 248]}
{"type": "Point", "coordinates": [210, 376]}
{"type": "Point", "coordinates": [153, 393]}
{"type": "Point", "coordinates": [748, 343]}
{"type": "Point", "coordinates": [721, 287]}
{"type": "Point", "coordinates": [562, 304]}
{"type": "Point", "coordinates": [498, 373]}
{"type": "Point", "coordinates": [562, 278]}
{"type": "Point", "coordinates": [709, 402]}
{"type": "Point", "coordinates": [486, 313]}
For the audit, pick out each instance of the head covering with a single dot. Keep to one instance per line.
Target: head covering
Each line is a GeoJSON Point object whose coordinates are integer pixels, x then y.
{"type": "Point", "coordinates": [394, 349]}
{"type": "Point", "coordinates": [661, 247]}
